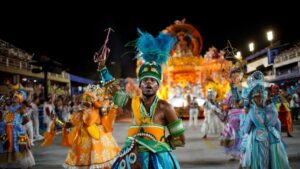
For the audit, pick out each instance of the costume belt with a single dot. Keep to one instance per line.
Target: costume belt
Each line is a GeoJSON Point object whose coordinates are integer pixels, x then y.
{"type": "Point", "coordinates": [155, 131]}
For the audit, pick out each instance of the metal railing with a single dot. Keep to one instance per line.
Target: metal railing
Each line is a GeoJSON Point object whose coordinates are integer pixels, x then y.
{"type": "Point", "coordinates": [24, 65]}
{"type": "Point", "coordinates": [287, 55]}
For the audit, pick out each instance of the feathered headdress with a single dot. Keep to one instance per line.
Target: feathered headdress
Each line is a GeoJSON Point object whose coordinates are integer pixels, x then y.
{"type": "Point", "coordinates": [21, 95]}
{"type": "Point", "coordinates": [96, 90]}
{"type": "Point", "coordinates": [154, 51]}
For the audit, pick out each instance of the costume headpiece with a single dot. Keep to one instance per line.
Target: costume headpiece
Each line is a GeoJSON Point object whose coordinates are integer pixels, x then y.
{"type": "Point", "coordinates": [21, 95]}
{"type": "Point", "coordinates": [256, 84]}
{"type": "Point", "coordinates": [93, 93]}
{"type": "Point", "coordinates": [95, 89]}
{"type": "Point", "coordinates": [274, 88]}
{"type": "Point", "coordinates": [154, 51]}
{"type": "Point", "coordinates": [89, 97]}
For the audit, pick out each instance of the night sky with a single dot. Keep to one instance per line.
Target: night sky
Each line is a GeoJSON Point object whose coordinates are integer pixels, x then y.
{"type": "Point", "coordinates": [66, 34]}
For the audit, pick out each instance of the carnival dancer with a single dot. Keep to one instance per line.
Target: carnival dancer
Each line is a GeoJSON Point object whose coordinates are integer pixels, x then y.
{"type": "Point", "coordinates": [35, 118]}
{"type": "Point", "coordinates": [15, 144]}
{"type": "Point", "coordinates": [295, 103]}
{"type": "Point", "coordinates": [233, 109]}
{"type": "Point", "coordinates": [90, 141]}
{"type": "Point", "coordinates": [212, 123]}
{"type": "Point", "coordinates": [147, 146]}
{"type": "Point", "coordinates": [27, 122]}
{"type": "Point", "coordinates": [283, 109]}
{"type": "Point", "coordinates": [197, 90]}
{"type": "Point", "coordinates": [194, 112]}
{"type": "Point", "coordinates": [262, 147]}
{"type": "Point", "coordinates": [178, 100]}
{"type": "Point", "coordinates": [48, 112]}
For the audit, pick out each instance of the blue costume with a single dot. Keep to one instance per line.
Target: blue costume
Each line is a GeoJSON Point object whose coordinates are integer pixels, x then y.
{"type": "Point", "coordinates": [262, 146]}
{"type": "Point", "coordinates": [14, 144]}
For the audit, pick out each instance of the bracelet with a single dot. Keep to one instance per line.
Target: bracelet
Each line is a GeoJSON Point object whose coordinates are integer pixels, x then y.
{"type": "Point", "coordinates": [106, 77]}
{"type": "Point", "coordinates": [176, 128]}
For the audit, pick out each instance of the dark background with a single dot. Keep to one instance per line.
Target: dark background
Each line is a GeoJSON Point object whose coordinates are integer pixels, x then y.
{"type": "Point", "coordinates": [71, 34]}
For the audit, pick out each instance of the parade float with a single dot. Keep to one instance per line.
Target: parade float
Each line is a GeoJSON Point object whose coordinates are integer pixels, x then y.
{"type": "Point", "coordinates": [189, 74]}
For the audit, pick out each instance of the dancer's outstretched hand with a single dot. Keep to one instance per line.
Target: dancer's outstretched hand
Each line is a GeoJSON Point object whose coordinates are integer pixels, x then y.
{"type": "Point", "coordinates": [101, 64]}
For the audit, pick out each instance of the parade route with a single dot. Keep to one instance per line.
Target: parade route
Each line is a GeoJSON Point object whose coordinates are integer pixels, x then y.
{"type": "Point", "coordinates": [197, 153]}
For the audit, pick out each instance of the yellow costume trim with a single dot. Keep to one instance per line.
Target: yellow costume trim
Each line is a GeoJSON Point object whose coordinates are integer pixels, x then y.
{"type": "Point", "coordinates": [286, 106]}
{"type": "Point", "coordinates": [91, 120]}
{"type": "Point", "coordinates": [9, 117]}
{"type": "Point", "coordinates": [157, 131]}
{"type": "Point", "coordinates": [144, 124]}
{"type": "Point", "coordinates": [135, 106]}
{"type": "Point", "coordinates": [92, 117]}
{"type": "Point", "coordinates": [93, 130]}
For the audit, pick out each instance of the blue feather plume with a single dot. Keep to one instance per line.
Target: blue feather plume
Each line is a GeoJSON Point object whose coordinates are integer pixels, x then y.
{"type": "Point", "coordinates": [155, 49]}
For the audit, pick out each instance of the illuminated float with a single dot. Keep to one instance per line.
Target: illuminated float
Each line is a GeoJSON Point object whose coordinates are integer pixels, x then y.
{"type": "Point", "coordinates": [188, 74]}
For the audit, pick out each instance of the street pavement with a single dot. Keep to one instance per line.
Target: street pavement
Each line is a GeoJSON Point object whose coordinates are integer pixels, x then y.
{"type": "Point", "coordinates": [198, 153]}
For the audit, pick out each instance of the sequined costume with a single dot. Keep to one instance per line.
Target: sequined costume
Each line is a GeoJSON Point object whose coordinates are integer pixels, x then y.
{"type": "Point", "coordinates": [262, 146]}
{"type": "Point", "coordinates": [15, 144]}
{"type": "Point", "coordinates": [90, 142]}
{"type": "Point", "coordinates": [147, 146]}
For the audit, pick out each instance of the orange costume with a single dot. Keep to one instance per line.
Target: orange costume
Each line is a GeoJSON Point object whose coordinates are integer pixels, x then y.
{"type": "Point", "coordinates": [285, 117]}
{"type": "Point", "coordinates": [90, 141]}
{"type": "Point", "coordinates": [283, 109]}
